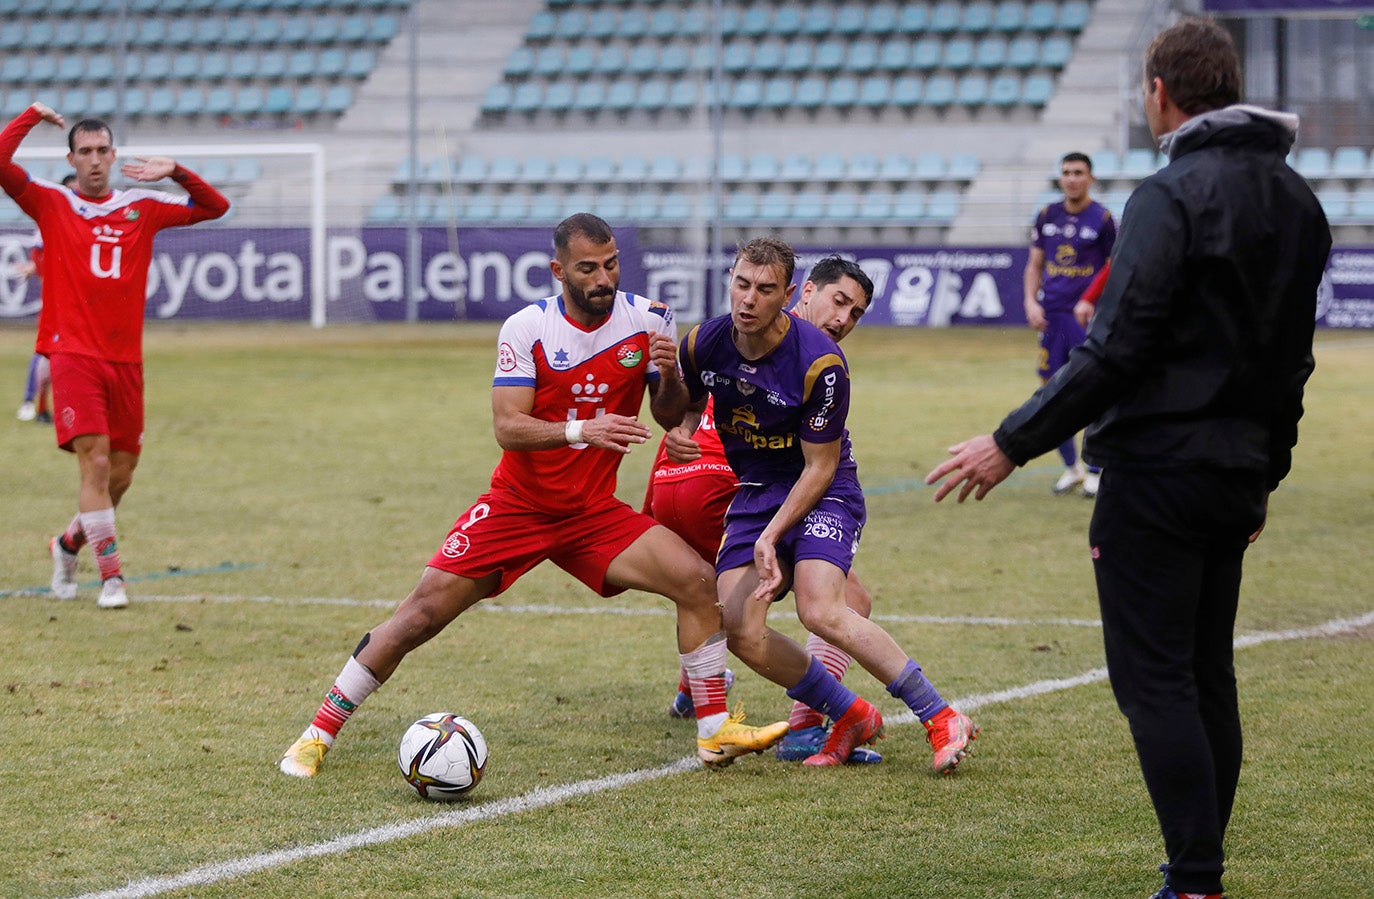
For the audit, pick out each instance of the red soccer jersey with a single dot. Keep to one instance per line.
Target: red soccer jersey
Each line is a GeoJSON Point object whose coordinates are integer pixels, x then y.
{"type": "Point", "coordinates": [97, 252]}
{"type": "Point", "coordinates": [712, 462]}
{"type": "Point", "coordinates": [575, 373]}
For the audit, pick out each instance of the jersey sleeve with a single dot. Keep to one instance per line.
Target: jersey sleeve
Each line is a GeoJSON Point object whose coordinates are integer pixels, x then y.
{"type": "Point", "coordinates": [1038, 228]}
{"type": "Point", "coordinates": [825, 404]}
{"type": "Point", "coordinates": [658, 318]}
{"type": "Point", "coordinates": [515, 349]}
{"type": "Point", "coordinates": [687, 361]}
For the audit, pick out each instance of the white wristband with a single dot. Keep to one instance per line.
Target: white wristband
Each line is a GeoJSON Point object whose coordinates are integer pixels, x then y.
{"type": "Point", "coordinates": [573, 432]}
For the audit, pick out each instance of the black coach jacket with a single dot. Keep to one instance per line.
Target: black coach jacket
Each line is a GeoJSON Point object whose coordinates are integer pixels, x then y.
{"type": "Point", "coordinates": [1202, 340]}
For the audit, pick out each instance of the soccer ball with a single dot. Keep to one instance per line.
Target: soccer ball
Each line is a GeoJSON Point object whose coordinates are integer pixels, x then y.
{"type": "Point", "coordinates": [442, 756]}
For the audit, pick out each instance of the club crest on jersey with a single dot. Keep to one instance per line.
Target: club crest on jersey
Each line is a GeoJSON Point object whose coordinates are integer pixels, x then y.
{"type": "Point", "coordinates": [130, 213]}
{"type": "Point", "coordinates": [629, 355]}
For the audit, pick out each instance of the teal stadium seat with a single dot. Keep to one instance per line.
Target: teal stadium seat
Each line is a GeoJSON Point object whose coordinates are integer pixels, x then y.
{"type": "Point", "coordinates": [1335, 203]}
{"type": "Point", "coordinates": [596, 170]}
{"type": "Point", "coordinates": [769, 56]}
{"type": "Point", "coordinates": [162, 101]}
{"type": "Point", "coordinates": [642, 207]}
{"type": "Point", "coordinates": [590, 97]}
{"type": "Point", "coordinates": [1106, 165]}
{"type": "Point", "coordinates": [926, 53]}
{"type": "Point", "coordinates": [930, 167]}
{"type": "Point", "coordinates": [308, 101]}
{"type": "Point", "coordinates": [778, 93]}
{"type": "Point", "coordinates": [529, 97]}
{"type": "Point", "coordinates": [559, 97]}
{"type": "Point", "coordinates": [909, 91]}
{"type": "Point", "coordinates": [543, 26]}
{"type": "Point", "coordinates": [652, 96]}
{"type": "Point", "coordinates": [733, 167]}
{"type": "Point", "coordinates": [684, 96]}
{"type": "Point", "coordinates": [272, 65]}
{"type": "Point", "coordinates": [747, 94]}
{"type": "Point", "coordinates": [331, 63]}
{"type": "Point", "coordinates": [1042, 15]}
{"type": "Point", "coordinates": [622, 95]}
{"type": "Point", "coordinates": [876, 207]}
{"type": "Point", "coordinates": [990, 52]}
{"type": "Point", "coordinates": [1074, 15]}
{"type": "Point", "coordinates": [808, 207]}
{"type": "Point", "coordinates": [875, 92]}
{"type": "Point", "coordinates": [546, 207]}
{"type": "Point", "coordinates": [795, 167]}
{"type": "Point", "coordinates": [939, 91]}
{"type": "Point", "coordinates": [673, 60]}
{"type": "Point", "coordinates": [756, 22]}
{"type": "Point", "coordinates": [842, 206]}
{"type": "Point", "coordinates": [665, 169]}
{"type": "Point", "coordinates": [942, 208]}
{"type": "Point", "coordinates": [470, 170]}
{"type": "Point", "coordinates": [549, 61]}
{"type": "Point", "coordinates": [480, 207]}
{"type": "Point", "coordinates": [643, 60]}
{"type": "Point", "coordinates": [360, 63]}
{"type": "Point", "coordinates": [862, 167]}
{"type": "Point", "coordinates": [572, 24]}
{"type": "Point", "coordinates": [761, 167]}
{"type": "Point", "coordinates": [741, 207]}
{"type": "Point", "coordinates": [498, 98]}
{"type": "Point", "coordinates": [104, 101]}
{"type": "Point", "coordinates": [634, 24]}
{"type": "Point", "coordinates": [913, 19]}
{"type": "Point", "coordinates": [512, 208]}
{"type": "Point", "coordinates": [536, 170]}
{"type": "Point", "coordinates": [958, 54]}
{"type": "Point", "coordinates": [819, 21]}
{"type": "Point", "coordinates": [945, 17]}
{"type": "Point", "coordinates": [1139, 163]}
{"type": "Point", "coordinates": [882, 19]}
{"type": "Point", "coordinates": [1350, 162]}
{"type": "Point", "coordinates": [1010, 16]}
{"type": "Point", "coordinates": [664, 24]}
{"type": "Point", "coordinates": [214, 65]}
{"type": "Point", "coordinates": [895, 55]}
{"type": "Point", "coordinates": [964, 167]}
{"type": "Point", "coordinates": [279, 100]}
{"type": "Point", "coordinates": [787, 21]}
{"type": "Point", "coordinates": [76, 99]}
{"type": "Point", "coordinates": [42, 70]}
{"type": "Point", "coordinates": [830, 167]}
{"type": "Point", "coordinates": [1005, 91]}
{"type": "Point", "coordinates": [612, 61]}
{"type": "Point", "coordinates": [220, 100]}
{"type": "Point", "coordinates": [520, 63]}
{"type": "Point", "coordinates": [602, 24]}
{"type": "Point", "coordinates": [978, 17]}
{"type": "Point", "coordinates": [830, 56]}
{"type": "Point", "coordinates": [1023, 52]}
{"type": "Point", "coordinates": [811, 92]}
{"type": "Point", "coordinates": [862, 57]}
{"type": "Point", "coordinates": [775, 207]}
{"type": "Point", "coordinates": [1055, 52]}
{"type": "Point", "coordinates": [842, 92]}
{"type": "Point", "coordinates": [676, 207]}
{"type": "Point", "coordinates": [1362, 206]}
{"type": "Point", "coordinates": [208, 32]}
{"type": "Point", "coordinates": [190, 101]}
{"type": "Point", "coordinates": [135, 101]}
{"type": "Point", "coordinates": [385, 210]}
{"type": "Point", "coordinates": [1036, 90]}
{"type": "Point", "coordinates": [631, 170]}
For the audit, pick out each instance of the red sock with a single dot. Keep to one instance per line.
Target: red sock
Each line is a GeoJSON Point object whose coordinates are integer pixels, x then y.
{"type": "Point", "coordinates": [99, 527]}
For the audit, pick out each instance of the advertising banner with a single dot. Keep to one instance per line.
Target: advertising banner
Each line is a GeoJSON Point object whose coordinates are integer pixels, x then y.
{"type": "Point", "coordinates": [1277, 7]}
{"type": "Point", "coordinates": [486, 274]}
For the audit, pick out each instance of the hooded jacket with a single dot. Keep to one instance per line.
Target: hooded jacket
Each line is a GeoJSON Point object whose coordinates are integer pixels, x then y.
{"type": "Point", "coordinates": [1202, 341]}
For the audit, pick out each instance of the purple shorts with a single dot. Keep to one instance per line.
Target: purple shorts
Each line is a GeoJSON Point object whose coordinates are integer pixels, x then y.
{"type": "Point", "coordinates": [829, 532]}
{"type": "Point", "coordinates": [1061, 334]}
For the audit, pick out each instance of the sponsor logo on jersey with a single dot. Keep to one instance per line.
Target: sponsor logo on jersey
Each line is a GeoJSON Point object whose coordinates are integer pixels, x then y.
{"type": "Point", "coordinates": [505, 357]}
{"type": "Point", "coordinates": [744, 387]}
{"type": "Point", "coordinates": [629, 355]}
{"type": "Point", "coordinates": [825, 526]}
{"type": "Point", "coordinates": [744, 424]}
{"type": "Point", "coordinates": [590, 392]}
{"type": "Point", "coordinates": [560, 360]}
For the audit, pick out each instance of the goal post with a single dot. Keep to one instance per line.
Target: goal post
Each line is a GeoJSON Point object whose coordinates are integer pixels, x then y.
{"type": "Point", "coordinates": [267, 253]}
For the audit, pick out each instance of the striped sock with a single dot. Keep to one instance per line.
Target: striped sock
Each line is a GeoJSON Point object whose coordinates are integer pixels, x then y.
{"type": "Point", "coordinates": [99, 527]}
{"type": "Point", "coordinates": [354, 684]}
{"type": "Point", "coordinates": [73, 538]}
{"type": "Point", "coordinates": [705, 668]}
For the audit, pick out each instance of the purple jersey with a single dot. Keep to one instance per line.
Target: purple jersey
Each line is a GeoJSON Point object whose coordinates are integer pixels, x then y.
{"type": "Point", "coordinates": [1076, 246]}
{"type": "Point", "coordinates": [765, 408]}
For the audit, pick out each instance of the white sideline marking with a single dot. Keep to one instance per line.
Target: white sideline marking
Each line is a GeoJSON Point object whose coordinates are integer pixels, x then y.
{"type": "Point", "coordinates": [546, 796]}
{"type": "Point", "coordinates": [653, 611]}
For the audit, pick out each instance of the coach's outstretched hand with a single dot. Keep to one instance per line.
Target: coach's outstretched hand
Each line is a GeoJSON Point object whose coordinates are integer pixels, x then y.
{"type": "Point", "coordinates": [977, 463]}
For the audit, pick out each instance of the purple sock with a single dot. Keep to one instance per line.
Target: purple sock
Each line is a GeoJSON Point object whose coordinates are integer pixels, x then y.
{"type": "Point", "coordinates": [820, 690]}
{"type": "Point", "coordinates": [918, 693]}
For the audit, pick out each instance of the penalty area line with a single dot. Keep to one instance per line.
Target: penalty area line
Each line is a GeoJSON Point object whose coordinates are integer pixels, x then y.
{"type": "Point", "coordinates": [547, 796]}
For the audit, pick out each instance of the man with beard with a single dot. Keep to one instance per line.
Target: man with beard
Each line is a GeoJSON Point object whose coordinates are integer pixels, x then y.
{"type": "Point", "coordinates": [570, 376]}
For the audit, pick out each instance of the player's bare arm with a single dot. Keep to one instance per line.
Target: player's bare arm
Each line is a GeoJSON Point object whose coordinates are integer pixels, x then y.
{"type": "Point", "coordinates": [821, 461]}
{"type": "Point", "coordinates": [978, 463]}
{"type": "Point", "coordinates": [668, 397]}
{"type": "Point", "coordinates": [49, 114]}
{"type": "Point", "coordinates": [1031, 281]}
{"type": "Point", "coordinates": [516, 429]}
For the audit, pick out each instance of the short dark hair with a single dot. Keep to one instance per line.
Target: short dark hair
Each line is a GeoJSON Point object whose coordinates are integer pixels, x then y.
{"type": "Point", "coordinates": [87, 125]}
{"type": "Point", "coordinates": [1196, 59]}
{"type": "Point", "coordinates": [590, 226]}
{"type": "Point", "coordinates": [69, 179]}
{"type": "Point", "coordinates": [832, 268]}
{"type": "Point", "coordinates": [770, 251]}
{"type": "Point", "coordinates": [1078, 157]}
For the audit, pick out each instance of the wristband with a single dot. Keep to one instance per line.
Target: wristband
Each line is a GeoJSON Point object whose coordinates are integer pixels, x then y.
{"type": "Point", "coordinates": [573, 432]}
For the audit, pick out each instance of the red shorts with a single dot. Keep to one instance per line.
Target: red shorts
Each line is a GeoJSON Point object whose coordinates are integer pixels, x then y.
{"type": "Point", "coordinates": [694, 509]}
{"type": "Point", "coordinates": [498, 535]}
{"type": "Point", "coordinates": [92, 396]}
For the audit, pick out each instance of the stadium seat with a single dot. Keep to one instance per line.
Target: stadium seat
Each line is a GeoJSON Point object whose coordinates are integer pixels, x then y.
{"type": "Point", "coordinates": [612, 61]}
{"type": "Point", "coordinates": [602, 24]}
{"type": "Point", "coordinates": [842, 92]}
{"type": "Point", "coordinates": [741, 207]}
{"type": "Point", "coordinates": [1074, 15]}
{"type": "Point", "coordinates": [876, 207]}
{"type": "Point", "coordinates": [978, 17]}
{"type": "Point", "coordinates": [1335, 203]}
{"type": "Point", "coordinates": [927, 53]}
{"type": "Point", "coordinates": [512, 208]}
{"type": "Point", "coordinates": [338, 99]}
{"type": "Point", "coordinates": [279, 100]}
{"type": "Point", "coordinates": [546, 207]}
{"type": "Point", "coordinates": [76, 99]}
{"type": "Point", "coordinates": [945, 17]}
{"type": "Point", "coordinates": [875, 92]}
{"type": "Point", "coordinates": [684, 96]}
{"type": "Point", "coordinates": [504, 170]}
{"type": "Point", "coordinates": [664, 24]}
{"type": "Point", "coordinates": [135, 101]}
{"type": "Point", "coordinates": [1023, 52]}
{"type": "Point", "coordinates": [787, 21]}
{"type": "Point", "coordinates": [1005, 91]}
{"type": "Point", "coordinates": [896, 168]}
{"type": "Point", "coordinates": [71, 70]}
{"type": "Point", "coordinates": [653, 95]}
{"type": "Point", "coordinates": [673, 59]}
{"type": "Point", "coordinates": [830, 56]}
{"type": "Point", "coordinates": [820, 20]}
{"type": "Point", "coordinates": [1055, 52]}
{"type": "Point", "coordinates": [520, 63]}
{"type": "Point", "coordinates": [990, 52]}
{"type": "Point", "coordinates": [895, 55]}
{"type": "Point", "coordinates": [850, 19]}
{"type": "Point", "coordinates": [912, 19]}
{"type": "Point", "coordinates": [543, 26]}
{"type": "Point", "coordinates": [385, 210]}
{"type": "Point", "coordinates": [360, 63]}
{"type": "Point", "coordinates": [882, 19]}
{"type": "Point", "coordinates": [642, 207]}
{"type": "Point", "coordinates": [942, 207]}
{"type": "Point", "coordinates": [842, 206]}
{"type": "Point", "coordinates": [747, 94]}
{"type": "Point", "coordinates": [1350, 162]}
{"type": "Point", "coordinates": [811, 92]}
{"type": "Point", "coordinates": [1139, 163]}
{"type": "Point", "coordinates": [162, 101]}
{"type": "Point", "coordinates": [498, 98]}
{"type": "Point", "coordinates": [909, 91]}
{"type": "Point", "coordinates": [308, 100]}
{"type": "Point", "coordinates": [763, 167]}
{"type": "Point", "coordinates": [795, 167]}
{"type": "Point", "coordinates": [272, 65]}
{"type": "Point", "coordinates": [528, 98]}
{"type": "Point", "coordinates": [536, 170]}
{"type": "Point", "coordinates": [774, 206]}
{"type": "Point", "coordinates": [830, 167]}
{"type": "Point", "coordinates": [190, 101]}
{"type": "Point", "coordinates": [676, 207]}
{"type": "Point", "coordinates": [590, 97]}
{"type": "Point", "coordinates": [643, 60]}
{"type": "Point", "coordinates": [862, 57]}
{"type": "Point", "coordinates": [1362, 206]}
{"type": "Point", "coordinates": [634, 24]}
{"type": "Point", "coordinates": [971, 90]}
{"type": "Point", "coordinates": [1106, 165]}
{"type": "Point", "coordinates": [105, 101]}
{"type": "Point", "coordinates": [930, 167]}
{"type": "Point", "coordinates": [1313, 162]}
{"type": "Point", "coordinates": [939, 91]}
{"type": "Point", "coordinates": [808, 207]}
{"type": "Point", "coordinates": [756, 22]}
{"type": "Point", "coordinates": [550, 61]}
{"type": "Point", "coordinates": [1042, 15]}
{"type": "Point", "coordinates": [963, 167]}
{"type": "Point", "coordinates": [862, 167]}
{"type": "Point", "coordinates": [621, 96]}
{"type": "Point", "coordinates": [777, 93]}
{"type": "Point", "coordinates": [733, 167]}
{"type": "Point", "coordinates": [480, 207]}
{"type": "Point", "coordinates": [1036, 90]}
{"type": "Point", "coordinates": [665, 169]}
{"type": "Point", "coordinates": [1010, 16]}
{"type": "Point", "coordinates": [958, 53]}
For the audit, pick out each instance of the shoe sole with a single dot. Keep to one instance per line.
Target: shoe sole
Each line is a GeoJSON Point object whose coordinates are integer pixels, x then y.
{"type": "Point", "coordinates": [66, 591]}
